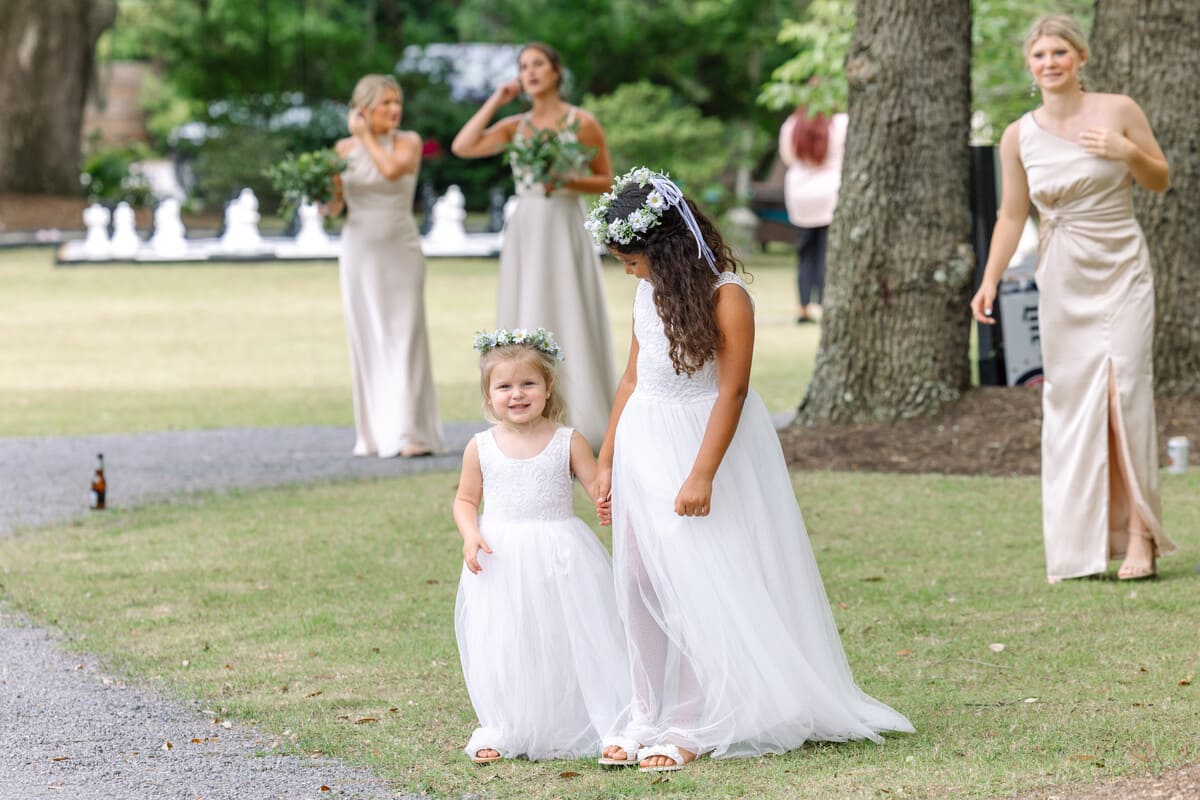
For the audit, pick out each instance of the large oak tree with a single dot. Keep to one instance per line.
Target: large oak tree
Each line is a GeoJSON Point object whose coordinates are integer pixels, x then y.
{"type": "Point", "coordinates": [47, 50]}
{"type": "Point", "coordinates": [1150, 50]}
{"type": "Point", "coordinates": [894, 338]}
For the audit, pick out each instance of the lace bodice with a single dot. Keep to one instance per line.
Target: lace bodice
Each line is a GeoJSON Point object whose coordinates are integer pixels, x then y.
{"type": "Point", "coordinates": [537, 488]}
{"type": "Point", "coordinates": [656, 375]}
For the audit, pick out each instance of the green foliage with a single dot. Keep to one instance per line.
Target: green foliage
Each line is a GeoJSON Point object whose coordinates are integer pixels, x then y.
{"type": "Point", "coordinates": [243, 136]}
{"type": "Point", "coordinates": [713, 53]}
{"type": "Point", "coordinates": [226, 48]}
{"type": "Point", "coordinates": [431, 111]}
{"type": "Point", "coordinates": [815, 76]}
{"type": "Point", "coordinates": [548, 158]}
{"type": "Point", "coordinates": [166, 109]}
{"type": "Point", "coordinates": [648, 125]}
{"type": "Point", "coordinates": [306, 177]}
{"type": "Point", "coordinates": [999, 79]}
{"type": "Point", "coordinates": [234, 159]}
{"type": "Point", "coordinates": [109, 176]}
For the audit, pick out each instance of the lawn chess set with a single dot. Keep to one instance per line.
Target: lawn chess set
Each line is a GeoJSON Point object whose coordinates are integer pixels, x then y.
{"type": "Point", "coordinates": [112, 237]}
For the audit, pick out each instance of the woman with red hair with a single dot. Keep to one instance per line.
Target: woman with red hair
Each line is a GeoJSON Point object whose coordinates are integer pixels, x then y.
{"type": "Point", "coordinates": [811, 147]}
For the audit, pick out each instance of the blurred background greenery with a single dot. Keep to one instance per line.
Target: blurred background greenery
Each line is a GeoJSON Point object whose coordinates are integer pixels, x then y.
{"type": "Point", "coordinates": [698, 89]}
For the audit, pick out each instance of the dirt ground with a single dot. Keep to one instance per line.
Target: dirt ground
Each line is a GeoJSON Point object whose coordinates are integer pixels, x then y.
{"type": "Point", "coordinates": [990, 431]}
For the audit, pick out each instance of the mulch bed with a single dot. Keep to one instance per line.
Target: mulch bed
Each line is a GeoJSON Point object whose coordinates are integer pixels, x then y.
{"type": "Point", "coordinates": [989, 431]}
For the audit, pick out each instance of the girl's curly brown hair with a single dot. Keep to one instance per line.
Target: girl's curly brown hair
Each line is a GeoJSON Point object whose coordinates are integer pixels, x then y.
{"type": "Point", "coordinates": [682, 280]}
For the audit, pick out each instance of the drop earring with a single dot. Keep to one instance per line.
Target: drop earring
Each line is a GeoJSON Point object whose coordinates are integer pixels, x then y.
{"type": "Point", "coordinates": [1033, 88]}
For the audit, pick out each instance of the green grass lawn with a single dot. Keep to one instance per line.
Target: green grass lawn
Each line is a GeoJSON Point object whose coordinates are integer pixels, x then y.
{"type": "Point", "coordinates": [106, 349]}
{"type": "Point", "coordinates": [324, 615]}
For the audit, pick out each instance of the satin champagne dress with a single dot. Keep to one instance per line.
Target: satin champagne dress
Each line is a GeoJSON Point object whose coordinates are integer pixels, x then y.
{"type": "Point", "coordinates": [550, 278]}
{"type": "Point", "coordinates": [1096, 317]}
{"type": "Point", "coordinates": [383, 291]}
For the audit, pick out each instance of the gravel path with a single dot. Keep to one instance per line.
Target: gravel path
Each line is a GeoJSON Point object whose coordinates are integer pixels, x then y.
{"type": "Point", "coordinates": [69, 728]}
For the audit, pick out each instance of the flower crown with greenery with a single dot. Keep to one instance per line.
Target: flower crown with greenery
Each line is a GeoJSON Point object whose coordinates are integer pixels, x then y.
{"type": "Point", "coordinates": [538, 339]}
{"type": "Point", "coordinates": [649, 214]}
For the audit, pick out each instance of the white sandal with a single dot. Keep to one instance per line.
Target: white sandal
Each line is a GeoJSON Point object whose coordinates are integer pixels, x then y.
{"type": "Point", "coordinates": [631, 747]}
{"type": "Point", "coordinates": [478, 759]}
{"type": "Point", "coordinates": [486, 739]}
{"type": "Point", "coordinates": [668, 750]}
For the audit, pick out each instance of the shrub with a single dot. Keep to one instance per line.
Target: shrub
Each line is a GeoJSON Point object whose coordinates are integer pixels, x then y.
{"type": "Point", "coordinates": [109, 176]}
{"type": "Point", "coordinates": [647, 125]}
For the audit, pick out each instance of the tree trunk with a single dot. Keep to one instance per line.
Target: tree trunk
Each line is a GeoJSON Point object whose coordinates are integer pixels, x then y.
{"type": "Point", "coordinates": [1150, 50]}
{"type": "Point", "coordinates": [894, 338]}
{"type": "Point", "coordinates": [47, 48]}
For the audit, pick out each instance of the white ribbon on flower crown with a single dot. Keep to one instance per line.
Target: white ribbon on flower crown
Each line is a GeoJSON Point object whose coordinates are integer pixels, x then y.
{"type": "Point", "coordinates": [674, 197]}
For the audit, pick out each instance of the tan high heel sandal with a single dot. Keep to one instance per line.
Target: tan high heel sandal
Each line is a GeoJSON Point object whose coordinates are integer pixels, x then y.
{"type": "Point", "coordinates": [1126, 573]}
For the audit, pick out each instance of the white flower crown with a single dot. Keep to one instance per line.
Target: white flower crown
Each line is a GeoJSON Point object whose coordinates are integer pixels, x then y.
{"type": "Point", "coordinates": [538, 339]}
{"type": "Point", "coordinates": [640, 220]}
{"type": "Point", "coordinates": [662, 196]}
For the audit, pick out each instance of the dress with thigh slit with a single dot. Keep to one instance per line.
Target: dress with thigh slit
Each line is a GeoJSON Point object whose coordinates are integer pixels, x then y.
{"type": "Point", "coordinates": [1096, 319]}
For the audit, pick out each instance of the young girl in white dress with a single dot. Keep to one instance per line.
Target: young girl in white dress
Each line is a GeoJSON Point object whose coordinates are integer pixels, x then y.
{"type": "Point", "coordinates": [732, 645]}
{"type": "Point", "coordinates": [542, 649]}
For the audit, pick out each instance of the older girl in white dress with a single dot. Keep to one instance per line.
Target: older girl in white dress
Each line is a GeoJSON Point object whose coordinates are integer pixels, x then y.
{"type": "Point", "coordinates": [733, 647]}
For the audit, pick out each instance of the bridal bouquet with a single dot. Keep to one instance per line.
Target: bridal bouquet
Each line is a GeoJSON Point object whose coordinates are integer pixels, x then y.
{"type": "Point", "coordinates": [307, 177]}
{"type": "Point", "coordinates": [547, 157]}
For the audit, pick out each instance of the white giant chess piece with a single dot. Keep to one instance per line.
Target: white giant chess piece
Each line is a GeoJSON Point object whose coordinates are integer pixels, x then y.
{"type": "Point", "coordinates": [449, 213]}
{"type": "Point", "coordinates": [125, 242]}
{"type": "Point", "coordinates": [311, 235]}
{"type": "Point", "coordinates": [168, 240]}
{"type": "Point", "coordinates": [95, 218]}
{"type": "Point", "coordinates": [241, 225]}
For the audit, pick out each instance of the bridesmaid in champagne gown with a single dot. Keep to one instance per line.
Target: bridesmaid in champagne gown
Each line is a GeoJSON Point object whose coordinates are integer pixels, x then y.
{"type": "Point", "coordinates": [550, 273]}
{"type": "Point", "coordinates": [1075, 158]}
{"type": "Point", "coordinates": [383, 279]}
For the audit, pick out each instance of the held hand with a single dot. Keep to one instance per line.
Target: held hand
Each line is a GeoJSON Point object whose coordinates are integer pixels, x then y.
{"type": "Point", "coordinates": [602, 486]}
{"type": "Point", "coordinates": [1106, 144]}
{"type": "Point", "coordinates": [356, 123]}
{"type": "Point", "coordinates": [694, 497]}
{"type": "Point", "coordinates": [471, 547]}
{"type": "Point", "coordinates": [604, 510]}
{"type": "Point", "coordinates": [981, 304]}
{"type": "Point", "coordinates": [507, 91]}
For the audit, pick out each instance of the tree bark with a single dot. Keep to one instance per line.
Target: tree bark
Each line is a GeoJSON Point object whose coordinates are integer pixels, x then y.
{"type": "Point", "coordinates": [47, 49]}
{"type": "Point", "coordinates": [894, 338]}
{"type": "Point", "coordinates": [1150, 50]}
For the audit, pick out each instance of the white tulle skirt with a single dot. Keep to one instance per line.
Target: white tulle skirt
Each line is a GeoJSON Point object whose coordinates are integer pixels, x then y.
{"type": "Point", "coordinates": [542, 649]}
{"type": "Point", "coordinates": [732, 643]}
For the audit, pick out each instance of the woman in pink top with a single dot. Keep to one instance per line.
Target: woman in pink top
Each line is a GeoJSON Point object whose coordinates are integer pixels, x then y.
{"type": "Point", "coordinates": [811, 147]}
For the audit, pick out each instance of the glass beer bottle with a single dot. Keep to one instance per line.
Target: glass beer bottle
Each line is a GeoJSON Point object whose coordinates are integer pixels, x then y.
{"type": "Point", "coordinates": [99, 484]}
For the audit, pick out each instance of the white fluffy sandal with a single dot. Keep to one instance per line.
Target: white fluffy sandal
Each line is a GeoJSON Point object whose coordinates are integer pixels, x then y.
{"type": "Point", "coordinates": [632, 748]}
{"type": "Point", "coordinates": [668, 750]}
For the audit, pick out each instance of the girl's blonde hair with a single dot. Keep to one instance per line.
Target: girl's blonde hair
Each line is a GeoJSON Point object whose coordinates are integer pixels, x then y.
{"type": "Point", "coordinates": [555, 410]}
{"type": "Point", "coordinates": [1063, 26]}
{"type": "Point", "coordinates": [370, 88]}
